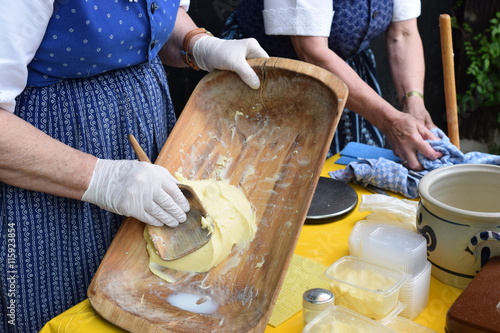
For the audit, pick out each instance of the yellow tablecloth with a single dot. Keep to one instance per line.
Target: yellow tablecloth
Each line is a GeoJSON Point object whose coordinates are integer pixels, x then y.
{"type": "Point", "coordinates": [324, 243]}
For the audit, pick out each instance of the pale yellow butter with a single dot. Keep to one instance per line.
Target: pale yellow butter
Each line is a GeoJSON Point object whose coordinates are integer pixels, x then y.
{"type": "Point", "coordinates": [234, 224]}
{"type": "Point", "coordinates": [370, 297]}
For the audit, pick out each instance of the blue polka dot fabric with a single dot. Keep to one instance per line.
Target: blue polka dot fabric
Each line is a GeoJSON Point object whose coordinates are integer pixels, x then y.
{"type": "Point", "coordinates": [87, 37]}
{"type": "Point", "coordinates": [355, 23]}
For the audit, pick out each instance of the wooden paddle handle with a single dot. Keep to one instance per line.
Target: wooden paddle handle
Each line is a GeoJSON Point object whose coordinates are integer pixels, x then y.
{"type": "Point", "coordinates": [141, 155]}
{"type": "Point", "coordinates": [449, 79]}
{"type": "Point", "coordinates": [187, 190]}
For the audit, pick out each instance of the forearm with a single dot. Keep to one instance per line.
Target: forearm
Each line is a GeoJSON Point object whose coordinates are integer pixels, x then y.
{"type": "Point", "coordinates": [362, 98]}
{"type": "Point", "coordinates": [406, 56]}
{"type": "Point", "coordinates": [170, 53]}
{"type": "Point", "coordinates": [404, 133]}
{"type": "Point", "coordinates": [32, 160]}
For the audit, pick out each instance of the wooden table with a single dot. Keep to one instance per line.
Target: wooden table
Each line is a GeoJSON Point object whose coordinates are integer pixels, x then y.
{"type": "Point", "coordinates": [324, 243]}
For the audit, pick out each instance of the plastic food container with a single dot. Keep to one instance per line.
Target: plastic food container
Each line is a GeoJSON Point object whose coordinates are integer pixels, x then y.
{"type": "Point", "coordinates": [364, 287]}
{"type": "Point", "coordinates": [340, 319]}
{"type": "Point", "coordinates": [414, 293]}
{"type": "Point", "coordinates": [356, 235]}
{"type": "Point", "coordinates": [403, 325]}
{"type": "Point", "coordinates": [393, 313]}
{"type": "Point", "coordinates": [395, 247]}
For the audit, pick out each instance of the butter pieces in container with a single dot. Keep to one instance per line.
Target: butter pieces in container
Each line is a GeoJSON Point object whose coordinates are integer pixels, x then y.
{"type": "Point", "coordinates": [369, 289]}
{"type": "Point", "coordinates": [395, 247]}
{"type": "Point", "coordinates": [340, 319]}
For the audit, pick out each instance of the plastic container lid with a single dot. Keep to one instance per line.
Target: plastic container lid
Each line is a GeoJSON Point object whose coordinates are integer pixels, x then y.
{"type": "Point", "coordinates": [356, 235]}
{"type": "Point", "coordinates": [340, 319]}
{"type": "Point", "coordinates": [365, 287]}
{"type": "Point", "coordinates": [403, 325]}
{"type": "Point", "coordinates": [414, 293]}
{"type": "Point", "coordinates": [395, 247]}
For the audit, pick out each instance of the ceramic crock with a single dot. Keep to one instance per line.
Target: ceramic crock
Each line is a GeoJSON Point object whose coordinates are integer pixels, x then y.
{"type": "Point", "coordinates": [459, 215]}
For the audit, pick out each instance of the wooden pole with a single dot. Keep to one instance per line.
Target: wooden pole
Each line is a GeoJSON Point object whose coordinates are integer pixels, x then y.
{"type": "Point", "coordinates": [449, 79]}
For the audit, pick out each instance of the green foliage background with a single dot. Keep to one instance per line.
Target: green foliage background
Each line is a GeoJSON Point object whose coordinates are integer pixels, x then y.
{"type": "Point", "coordinates": [483, 52]}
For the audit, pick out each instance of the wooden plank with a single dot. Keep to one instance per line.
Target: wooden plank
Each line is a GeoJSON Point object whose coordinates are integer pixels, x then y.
{"type": "Point", "coordinates": [449, 79]}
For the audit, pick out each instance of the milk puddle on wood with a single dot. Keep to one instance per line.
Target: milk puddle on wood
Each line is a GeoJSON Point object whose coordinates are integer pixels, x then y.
{"type": "Point", "coordinates": [193, 303]}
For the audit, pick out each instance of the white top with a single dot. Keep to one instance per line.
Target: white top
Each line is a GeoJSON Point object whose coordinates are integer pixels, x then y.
{"type": "Point", "coordinates": [314, 17]}
{"type": "Point", "coordinates": [23, 24]}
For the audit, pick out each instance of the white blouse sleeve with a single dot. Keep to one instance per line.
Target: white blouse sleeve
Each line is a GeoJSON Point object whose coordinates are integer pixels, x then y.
{"type": "Point", "coordinates": [23, 24]}
{"type": "Point", "coordinates": [185, 4]}
{"type": "Point", "coordinates": [405, 10]}
{"type": "Point", "coordinates": [298, 17]}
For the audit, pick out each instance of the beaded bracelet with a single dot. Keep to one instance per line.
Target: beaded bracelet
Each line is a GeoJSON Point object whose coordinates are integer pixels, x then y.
{"type": "Point", "coordinates": [186, 56]}
{"type": "Point", "coordinates": [411, 93]}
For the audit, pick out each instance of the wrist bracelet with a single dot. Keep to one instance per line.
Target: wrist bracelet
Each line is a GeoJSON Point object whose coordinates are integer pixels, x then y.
{"type": "Point", "coordinates": [411, 93]}
{"type": "Point", "coordinates": [186, 56]}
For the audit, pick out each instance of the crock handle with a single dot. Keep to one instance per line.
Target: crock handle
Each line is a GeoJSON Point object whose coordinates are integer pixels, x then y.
{"type": "Point", "coordinates": [482, 237]}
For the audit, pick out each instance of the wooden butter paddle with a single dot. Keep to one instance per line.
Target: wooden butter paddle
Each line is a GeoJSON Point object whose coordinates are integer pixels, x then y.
{"type": "Point", "coordinates": [174, 243]}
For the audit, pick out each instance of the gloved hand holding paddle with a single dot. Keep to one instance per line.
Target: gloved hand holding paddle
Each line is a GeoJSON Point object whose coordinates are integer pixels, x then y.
{"type": "Point", "coordinates": [142, 190]}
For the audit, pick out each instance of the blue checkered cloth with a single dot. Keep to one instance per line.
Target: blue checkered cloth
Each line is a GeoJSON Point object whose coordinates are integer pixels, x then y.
{"type": "Point", "coordinates": [390, 175]}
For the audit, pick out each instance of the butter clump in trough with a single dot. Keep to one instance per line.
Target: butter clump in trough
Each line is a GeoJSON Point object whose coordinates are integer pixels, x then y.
{"type": "Point", "coordinates": [234, 224]}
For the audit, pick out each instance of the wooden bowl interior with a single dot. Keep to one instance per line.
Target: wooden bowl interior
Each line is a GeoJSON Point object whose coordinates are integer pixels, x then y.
{"type": "Point", "coordinates": [271, 142]}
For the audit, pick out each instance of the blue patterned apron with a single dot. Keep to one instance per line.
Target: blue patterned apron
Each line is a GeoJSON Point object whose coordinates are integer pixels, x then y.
{"type": "Point", "coordinates": [50, 247]}
{"type": "Point", "coordinates": [355, 24]}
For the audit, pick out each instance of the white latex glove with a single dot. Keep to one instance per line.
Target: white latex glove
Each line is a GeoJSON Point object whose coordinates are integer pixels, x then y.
{"type": "Point", "coordinates": [214, 53]}
{"type": "Point", "coordinates": [142, 190]}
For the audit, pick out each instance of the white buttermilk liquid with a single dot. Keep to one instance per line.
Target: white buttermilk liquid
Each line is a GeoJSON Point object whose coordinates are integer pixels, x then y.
{"type": "Point", "coordinates": [193, 303]}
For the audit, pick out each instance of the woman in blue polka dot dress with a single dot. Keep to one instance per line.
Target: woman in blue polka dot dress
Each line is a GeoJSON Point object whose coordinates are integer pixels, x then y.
{"type": "Point", "coordinates": [76, 78]}
{"type": "Point", "coordinates": [336, 35]}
